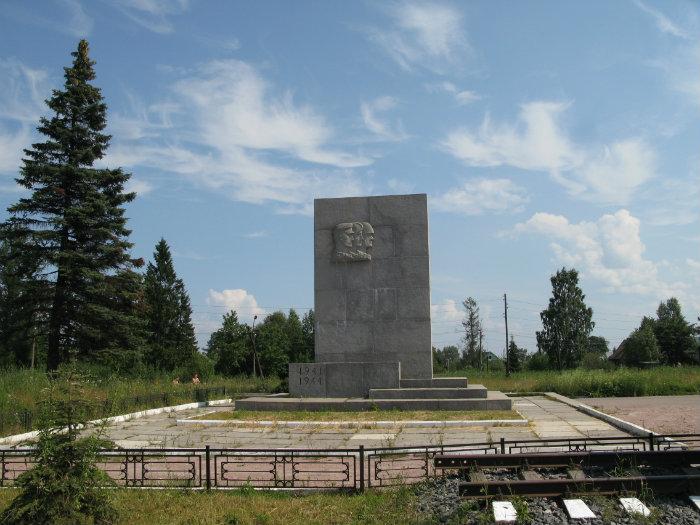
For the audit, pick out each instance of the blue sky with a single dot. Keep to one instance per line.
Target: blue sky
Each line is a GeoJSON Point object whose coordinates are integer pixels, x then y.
{"type": "Point", "coordinates": [544, 133]}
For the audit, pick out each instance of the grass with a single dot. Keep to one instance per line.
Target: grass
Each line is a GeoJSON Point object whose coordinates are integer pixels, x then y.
{"type": "Point", "coordinates": [248, 507]}
{"type": "Point", "coordinates": [373, 415]}
{"type": "Point", "coordinates": [622, 382]}
{"type": "Point", "coordinates": [21, 391]}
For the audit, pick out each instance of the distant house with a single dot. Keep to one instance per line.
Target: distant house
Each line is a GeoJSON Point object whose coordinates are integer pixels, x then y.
{"type": "Point", "coordinates": [618, 355]}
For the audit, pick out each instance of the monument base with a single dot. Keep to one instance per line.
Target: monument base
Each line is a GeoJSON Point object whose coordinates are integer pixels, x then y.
{"type": "Point", "coordinates": [494, 400]}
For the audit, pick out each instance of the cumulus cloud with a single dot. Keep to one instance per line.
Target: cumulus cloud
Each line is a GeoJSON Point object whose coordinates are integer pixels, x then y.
{"type": "Point", "coordinates": [447, 311]}
{"type": "Point", "coordinates": [425, 34]}
{"type": "Point", "coordinates": [609, 250]}
{"type": "Point", "coordinates": [383, 129]}
{"type": "Point", "coordinates": [238, 299]}
{"type": "Point", "coordinates": [230, 132]}
{"type": "Point", "coordinates": [478, 196]}
{"type": "Point", "coordinates": [610, 174]}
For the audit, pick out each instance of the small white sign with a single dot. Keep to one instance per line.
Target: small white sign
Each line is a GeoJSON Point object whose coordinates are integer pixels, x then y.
{"type": "Point", "coordinates": [634, 506]}
{"type": "Point", "coordinates": [578, 510]}
{"type": "Point", "coordinates": [504, 512]}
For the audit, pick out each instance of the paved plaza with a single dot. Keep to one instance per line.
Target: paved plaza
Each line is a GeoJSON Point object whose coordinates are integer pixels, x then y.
{"type": "Point", "coordinates": [547, 419]}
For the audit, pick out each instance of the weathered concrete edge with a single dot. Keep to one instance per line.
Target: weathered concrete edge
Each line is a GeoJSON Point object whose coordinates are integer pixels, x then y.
{"type": "Point", "coordinates": [18, 438]}
{"type": "Point", "coordinates": [621, 424]}
{"type": "Point", "coordinates": [352, 424]}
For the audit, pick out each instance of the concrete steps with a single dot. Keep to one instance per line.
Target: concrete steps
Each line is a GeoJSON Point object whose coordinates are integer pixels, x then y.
{"type": "Point", "coordinates": [435, 382]}
{"type": "Point", "coordinates": [494, 400]}
{"type": "Point", "coordinates": [470, 392]}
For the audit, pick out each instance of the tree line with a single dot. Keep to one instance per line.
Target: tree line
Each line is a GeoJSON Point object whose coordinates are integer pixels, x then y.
{"type": "Point", "coordinates": [70, 291]}
{"type": "Point", "coordinates": [566, 339]}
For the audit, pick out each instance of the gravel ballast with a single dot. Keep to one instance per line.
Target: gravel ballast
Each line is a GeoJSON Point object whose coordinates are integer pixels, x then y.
{"type": "Point", "coordinates": [440, 500]}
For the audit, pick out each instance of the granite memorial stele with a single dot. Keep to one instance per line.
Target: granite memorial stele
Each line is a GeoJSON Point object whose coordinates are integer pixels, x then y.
{"type": "Point", "coordinates": [372, 315]}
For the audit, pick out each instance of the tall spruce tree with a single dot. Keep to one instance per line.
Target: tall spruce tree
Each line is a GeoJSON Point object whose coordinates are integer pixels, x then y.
{"type": "Point", "coordinates": [171, 338]}
{"type": "Point", "coordinates": [566, 323]}
{"type": "Point", "coordinates": [73, 226]}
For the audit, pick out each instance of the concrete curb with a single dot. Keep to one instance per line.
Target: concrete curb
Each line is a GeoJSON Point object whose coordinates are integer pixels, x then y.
{"type": "Point", "coordinates": [621, 424]}
{"type": "Point", "coordinates": [18, 438]}
{"type": "Point", "coordinates": [353, 424]}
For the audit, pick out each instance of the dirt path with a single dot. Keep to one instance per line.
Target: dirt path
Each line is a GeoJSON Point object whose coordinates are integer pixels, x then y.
{"type": "Point", "coordinates": [662, 414]}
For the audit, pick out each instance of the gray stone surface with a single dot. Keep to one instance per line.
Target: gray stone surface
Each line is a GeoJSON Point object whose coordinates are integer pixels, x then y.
{"type": "Point", "coordinates": [374, 307]}
{"type": "Point", "coordinates": [341, 379]}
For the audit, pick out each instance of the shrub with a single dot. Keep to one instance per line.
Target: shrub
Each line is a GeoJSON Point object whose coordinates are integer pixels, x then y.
{"type": "Point", "coordinates": [538, 361]}
{"type": "Point", "coordinates": [65, 486]}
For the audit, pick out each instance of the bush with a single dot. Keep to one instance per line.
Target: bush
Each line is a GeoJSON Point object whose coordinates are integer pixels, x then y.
{"type": "Point", "coordinates": [595, 361]}
{"type": "Point", "coordinates": [538, 361]}
{"type": "Point", "coordinates": [65, 486]}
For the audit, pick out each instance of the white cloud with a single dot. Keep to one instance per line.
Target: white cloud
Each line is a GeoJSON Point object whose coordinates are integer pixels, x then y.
{"type": "Point", "coordinates": [153, 14]}
{"type": "Point", "coordinates": [447, 311]}
{"type": "Point", "coordinates": [400, 186]}
{"type": "Point", "coordinates": [693, 264]}
{"type": "Point", "coordinates": [463, 97]}
{"type": "Point", "coordinates": [79, 23]}
{"type": "Point", "coordinates": [235, 111]}
{"type": "Point", "coordinates": [610, 174]}
{"type": "Point", "coordinates": [663, 23]}
{"type": "Point", "coordinates": [381, 128]}
{"type": "Point", "coordinates": [478, 196]}
{"type": "Point", "coordinates": [615, 175]}
{"type": "Point", "coordinates": [227, 131]}
{"type": "Point", "coordinates": [22, 91]}
{"type": "Point", "coordinates": [426, 34]}
{"type": "Point", "coordinates": [609, 250]}
{"type": "Point", "coordinates": [673, 201]}
{"type": "Point", "coordinates": [244, 303]}
{"type": "Point", "coordinates": [141, 187]}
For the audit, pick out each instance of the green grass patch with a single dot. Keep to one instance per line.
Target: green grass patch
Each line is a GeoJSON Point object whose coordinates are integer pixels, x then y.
{"type": "Point", "coordinates": [371, 415]}
{"type": "Point", "coordinates": [247, 507]}
{"type": "Point", "coordinates": [622, 382]}
{"type": "Point", "coordinates": [21, 391]}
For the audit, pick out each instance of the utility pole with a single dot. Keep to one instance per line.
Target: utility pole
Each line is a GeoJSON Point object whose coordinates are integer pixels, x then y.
{"type": "Point", "coordinates": [481, 335]}
{"type": "Point", "coordinates": [252, 338]}
{"type": "Point", "coordinates": [505, 313]}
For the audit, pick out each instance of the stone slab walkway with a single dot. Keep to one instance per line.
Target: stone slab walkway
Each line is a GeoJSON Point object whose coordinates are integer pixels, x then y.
{"type": "Point", "coordinates": [548, 419]}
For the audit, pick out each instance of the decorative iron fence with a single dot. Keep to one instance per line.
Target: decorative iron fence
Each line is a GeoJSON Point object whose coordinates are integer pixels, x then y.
{"type": "Point", "coordinates": [22, 419]}
{"type": "Point", "coordinates": [349, 469]}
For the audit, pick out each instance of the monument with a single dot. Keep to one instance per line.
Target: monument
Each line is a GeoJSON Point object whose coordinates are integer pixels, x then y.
{"type": "Point", "coordinates": [372, 315]}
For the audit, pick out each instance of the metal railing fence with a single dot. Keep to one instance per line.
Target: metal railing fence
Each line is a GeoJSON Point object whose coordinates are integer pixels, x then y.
{"type": "Point", "coordinates": [349, 469]}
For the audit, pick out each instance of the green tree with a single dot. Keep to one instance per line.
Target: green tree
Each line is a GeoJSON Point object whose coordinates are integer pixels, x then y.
{"type": "Point", "coordinates": [273, 345]}
{"type": "Point", "coordinates": [566, 323]}
{"type": "Point", "coordinates": [73, 226]}
{"type": "Point", "coordinates": [641, 346]}
{"type": "Point", "coordinates": [171, 338]}
{"type": "Point", "coordinates": [448, 357]}
{"type": "Point", "coordinates": [516, 356]}
{"type": "Point", "coordinates": [230, 347]}
{"type": "Point", "coordinates": [307, 327]}
{"type": "Point", "coordinates": [21, 318]}
{"type": "Point", "coordinates": [472, 330]}
{"type": "Point", "coordinates": [597, 345]}
{"type": "Point", "coordinates": [295, 335]}
{"type": "Point", "coordinates": [673, 333]}
{"type": "Point", "coordinates": [65, 486]}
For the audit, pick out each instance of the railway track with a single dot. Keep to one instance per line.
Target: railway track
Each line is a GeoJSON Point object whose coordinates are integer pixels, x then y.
{"type": "Point", "coordinates": [574, 473]}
